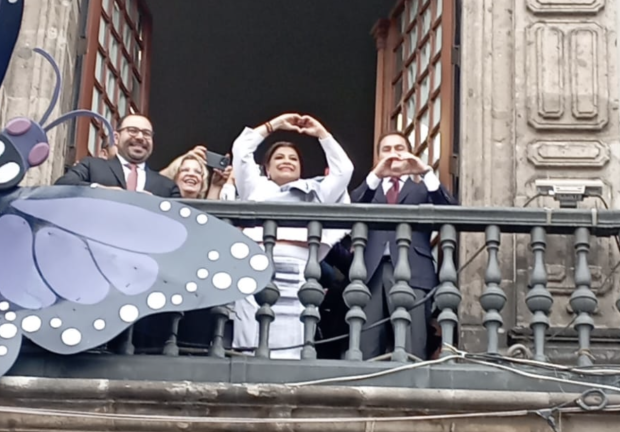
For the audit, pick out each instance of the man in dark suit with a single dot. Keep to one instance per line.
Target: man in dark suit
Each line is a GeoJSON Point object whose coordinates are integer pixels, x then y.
{"type": "Point", "coordinates": [390, 182]}
{"type": "Point", "coordinates": [128, 170]}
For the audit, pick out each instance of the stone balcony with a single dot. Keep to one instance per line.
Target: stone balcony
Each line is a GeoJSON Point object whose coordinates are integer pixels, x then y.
{"type": "Point", "coordinates": [541, 369]}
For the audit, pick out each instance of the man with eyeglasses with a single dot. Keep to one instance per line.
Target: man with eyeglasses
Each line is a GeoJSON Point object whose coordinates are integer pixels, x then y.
{"type": "Point", "coordinates": [127, 170]}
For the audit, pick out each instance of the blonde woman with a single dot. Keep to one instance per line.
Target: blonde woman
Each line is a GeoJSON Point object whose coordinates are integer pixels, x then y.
{"type": "Point", "coordinates": [191, 175]}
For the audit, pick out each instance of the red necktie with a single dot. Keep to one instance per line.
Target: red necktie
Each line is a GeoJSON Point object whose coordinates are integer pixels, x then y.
{"type": "Point", "coordinates": [132, 178]}
{"type": "Point", "coordinates": [392, 193]}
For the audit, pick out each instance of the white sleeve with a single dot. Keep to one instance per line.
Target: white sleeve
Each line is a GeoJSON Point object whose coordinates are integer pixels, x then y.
{"type": "Point", "coordinates": [228, 192]}
{"type": "Point", "coordinates": [340, 170]}
{"type": "Point", "coordinates": [247, 173]}
{"type": "Point", "coordinates": [373, 181]}
{"type": "Point", "coordinates": [431, 181]}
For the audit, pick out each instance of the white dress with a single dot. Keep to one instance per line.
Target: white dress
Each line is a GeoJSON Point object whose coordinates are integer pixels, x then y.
{"type": "Point", "coordinates": [289, 260]}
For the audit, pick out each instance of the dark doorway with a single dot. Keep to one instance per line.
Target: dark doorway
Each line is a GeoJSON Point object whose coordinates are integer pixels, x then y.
{"type": "Point", "coordinates": [218, 66]}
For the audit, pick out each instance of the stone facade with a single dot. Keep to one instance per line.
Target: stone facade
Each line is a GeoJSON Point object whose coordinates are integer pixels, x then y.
{"type": "Point", "coordinates": [28, 87]}
{"type": "Point", "coordinates": [539, 100]}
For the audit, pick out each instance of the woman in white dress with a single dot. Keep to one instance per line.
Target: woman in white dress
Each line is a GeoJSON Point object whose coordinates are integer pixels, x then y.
{"type": "Point", "coordinates": [282, 182]}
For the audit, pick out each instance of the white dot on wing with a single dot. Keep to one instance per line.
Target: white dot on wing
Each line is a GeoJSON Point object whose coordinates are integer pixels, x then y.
{"type": "Point", "coordinates": [3, 350]}
{"type": "Point", "coordinates": [177, 299]}
{"type": "Point", "coordinates": [4, 306]}
{"type": "Point", "coordinates": [202, 219]}
{"type": "Point", "coordinates": [214, 255]}
{"type": "Point", "coordinates": [191, 286]}
{"type": "Point", "coordinates": [202, 273]}
{"type": "Point", "coordinates": [156, 300]}
{"type": "Point", "coordinates": [99, 324]}
{"type": "Point", "coordinates": [185, 212]}
{"type": "Point", "coordinates": [8, 331]}
{"type": "Point", "coordinates": [165, 206]}
{"type": "Point", "coordinates": [239, 250]}
{"type": "Point", "coordinates": [259, 262]}
{"type": "Point", "coordinates": [55, 322]}
{"type": "Point", "coordinates": [129, 313]}
{"type": "Point", "coordinates": [10, 316]}
{"type": "Point", "coordinates": [71, 337]}
{"type": "Point", "coordinates": [31, 324]}
{"type": "Point", "coordinates": [247, 285]}
{"type": "Point", "coordinates": [222, 280]}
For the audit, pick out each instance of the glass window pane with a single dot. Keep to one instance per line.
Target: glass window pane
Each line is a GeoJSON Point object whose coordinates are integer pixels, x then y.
{"type": "Point", "coordinates": [135, 90]}
{"type": "Point", "coordinates": [114, 49]}
{"type": "Point", "coordinates": [92, 139]}
{"type": "Point", "coordinates": [411, 109]}
{"type": "Point", "coordinates": [424, 91]}
{"type": "Point", "coordinates": [96, 100]}
{"type": "Point", "coordinates": [424, 126]}
{"type": "Point", "coordinates": [411, 138]}
{"type": "Point", "coordinates": [413, 39]}
{"type": "Point", "coordinates": [436, 111]}
{"type": "Point", "coordinates": [102, 31]}
{"type": "Point", "coordinates": [132, 9]}
{"type": "Point", "coordinates": [425, 56]}
{"type": "Point", "coordinates": [413, 9]}
{"type": "Point", "coordinates": [127, 36]}
{"type": "Point", "coordinates": [412, 72]}
{"type": "Point", "coordinates": [100, 69]}
{"type": "Point", "coordinates": [110, 86]}
{"type": "Point", "coordinates": [438, 39]}
{"type": "Point", "coordinates": [107, 113]}
{"type": "Point", "coordinates": [424, 155]}
{"type": "Point", "coordinates": [438, 8]}
{"type": "Point", "coordinates": [398, 91]}
{"type": "Point", "coordinates": [116, 17]}
{"type": "Point", "coordinates": [122, 104]}
{"type": "Point", "coordinates": [399, 58]}
{"type": "Point", "coordinates": [403, 22]}
{"type": "Point", "coordinates": [125, 71]}
{"type": "Point", "coordinates": [426, 21]}
{"type": "Point", "coordinates": [436, 148]}
{"type": "Point", "coordinates": [106, 5]}
{"type": "Point", "coordinates": [437, 76]}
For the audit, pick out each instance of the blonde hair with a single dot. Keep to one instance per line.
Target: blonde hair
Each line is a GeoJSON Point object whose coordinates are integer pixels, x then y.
{"type": "Point", "coordinates": [174, 169]}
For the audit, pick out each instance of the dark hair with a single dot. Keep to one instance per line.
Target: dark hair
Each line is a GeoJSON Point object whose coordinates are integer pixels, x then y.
{"type": "Point", "coordinates": [394, 133]}
{"type": "Point", "coordinates": [126, 116]}
{"type": "Point", "coordinates": [280, 144]}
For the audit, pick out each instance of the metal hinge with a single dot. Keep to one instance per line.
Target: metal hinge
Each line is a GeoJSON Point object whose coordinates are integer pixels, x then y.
{"type": "Point", "coordinates": [454, 165]}
{"type": "Point", "coordinates": [456, 55]}
{"type": "Point", "coordinates": [82, 46]}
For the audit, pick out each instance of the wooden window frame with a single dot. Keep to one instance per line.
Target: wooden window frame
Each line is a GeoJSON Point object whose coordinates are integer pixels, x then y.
{"type": "Point", "coordinates": [89, 83]}
{"type": "Point", "coordinates": [390, 36]}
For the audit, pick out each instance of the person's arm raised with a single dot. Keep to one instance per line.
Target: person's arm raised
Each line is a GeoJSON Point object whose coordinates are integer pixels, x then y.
{"type": "Point", "coordinates": [340, 166]}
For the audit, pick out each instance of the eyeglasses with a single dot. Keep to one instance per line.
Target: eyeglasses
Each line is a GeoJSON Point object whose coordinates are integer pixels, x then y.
{"type": "Point", "coordinates": [134, 131]}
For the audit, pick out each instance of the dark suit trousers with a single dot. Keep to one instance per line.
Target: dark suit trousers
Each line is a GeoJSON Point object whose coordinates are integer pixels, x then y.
{"type": "Point", "coordinates": [380, 340]}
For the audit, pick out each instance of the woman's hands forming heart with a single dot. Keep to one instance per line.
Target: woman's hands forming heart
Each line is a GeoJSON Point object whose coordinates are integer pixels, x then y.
{"type": "Point", "coordinates": [300, 124]}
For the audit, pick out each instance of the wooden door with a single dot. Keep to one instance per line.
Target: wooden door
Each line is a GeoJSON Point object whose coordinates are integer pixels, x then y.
{"type": "Point", "coordinates": [116, 66]}
{"type": "Point", "coordinates": [416, 76]}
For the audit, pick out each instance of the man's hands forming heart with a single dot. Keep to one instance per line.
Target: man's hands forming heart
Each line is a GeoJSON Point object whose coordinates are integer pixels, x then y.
{"type": "Point", "coordinates": [300, 124]}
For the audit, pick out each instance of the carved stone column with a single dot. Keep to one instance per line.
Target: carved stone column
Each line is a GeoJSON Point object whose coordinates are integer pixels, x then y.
{"type": "Point", "coordinates": [540, 100]}
{"type": "Point", "coordinates": [30, 81]}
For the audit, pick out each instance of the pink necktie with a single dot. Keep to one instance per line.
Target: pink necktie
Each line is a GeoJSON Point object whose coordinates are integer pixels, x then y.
{"type": "Point", "coordinates": [392, 193]}
{"type": "Point", "coordinates": [132, 179]}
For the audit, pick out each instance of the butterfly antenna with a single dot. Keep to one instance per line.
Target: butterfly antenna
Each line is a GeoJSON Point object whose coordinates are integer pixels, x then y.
{"type": "Point", "coordinates": [83, 113]}
{"type": "Point", "coordinates": [54, 101]}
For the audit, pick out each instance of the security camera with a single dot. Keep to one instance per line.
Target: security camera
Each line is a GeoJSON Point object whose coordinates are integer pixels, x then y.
{"type": "Point", "coordinates": [568, 192]}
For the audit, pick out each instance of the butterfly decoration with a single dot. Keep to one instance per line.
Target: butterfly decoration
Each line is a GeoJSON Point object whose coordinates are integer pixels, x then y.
{"type": "Point", "coordinates": [79, 265]}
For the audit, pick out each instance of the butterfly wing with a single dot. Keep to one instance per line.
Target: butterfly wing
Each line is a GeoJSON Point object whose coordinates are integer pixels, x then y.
{"type": "Point", "coordinates": [11, 13]}
{"type": "Point", "coordinates": [90, 262]}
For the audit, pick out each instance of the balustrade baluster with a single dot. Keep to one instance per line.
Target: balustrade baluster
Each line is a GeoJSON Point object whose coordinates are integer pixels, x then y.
{"type": "Point", "coordinates": [539, 300]}
{"type": "Point", "coordinates": [126, 346]}
{"type": "Point", "coordinates": [222, 316]}
{"type": "Point", "coordinates": [583, 301]}
{"type": "Point", "coordinates": [493, 298]}
{"type": "Point", "coordinates": [170, 346]}
{"type": "Point", "coordinates": [311, 293]}
{"type": "Point", "coordinates": [401, 295]}
{"type": "Point", "coordinates": [267, 297]}
{"type": "Point", "coordinates": [357, 295]}
{"type": "Point", "coordinates": [448, 296]}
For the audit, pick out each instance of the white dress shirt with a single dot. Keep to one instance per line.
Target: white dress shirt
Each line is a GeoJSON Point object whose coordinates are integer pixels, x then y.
{"type": "Point", "coordinates": [141, 172]}
{"type": "Point", "coordinates": [430, 180]}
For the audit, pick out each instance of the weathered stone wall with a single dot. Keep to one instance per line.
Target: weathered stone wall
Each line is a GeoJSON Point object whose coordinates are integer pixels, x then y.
{"type": "Point", "coordinates": [185, 406]}
{"type": "Point", "coordinates": [28, 87]}
{"type": "Point", "coordinates": [540, 100]}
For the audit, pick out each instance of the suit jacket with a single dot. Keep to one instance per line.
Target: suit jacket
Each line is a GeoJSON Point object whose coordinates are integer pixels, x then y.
{"type": "Point", "coordinates": [110, 173]}
{"type": "Point", "coordinates": [423, 274]}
